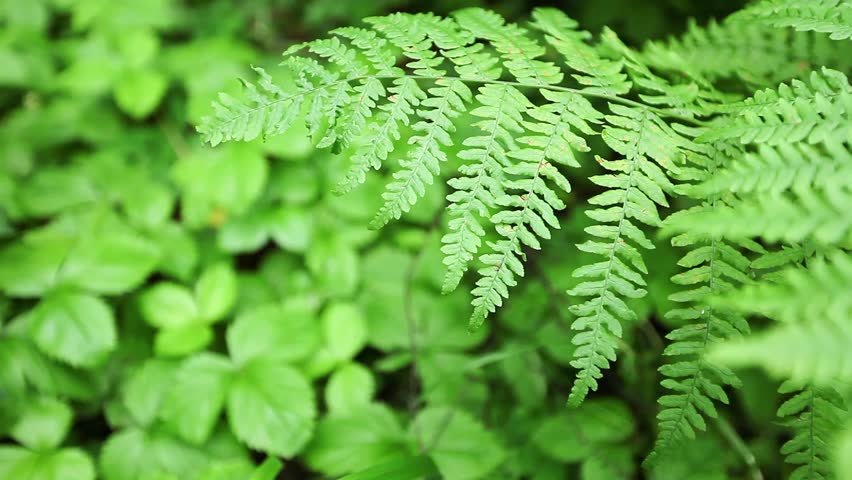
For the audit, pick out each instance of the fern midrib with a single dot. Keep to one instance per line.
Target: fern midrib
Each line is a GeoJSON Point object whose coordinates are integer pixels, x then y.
{"type": "Point", "coordinates": [555, 88]}
{"type": "Point", "coordinates": [811, 434]}
{"type": "Point", "coordinates": [424, 148]}
{"type": "Point", "coordinates": [708, 310]}
{"type": "Point", "coordinates": [466, 213]}
{"type": "Point", "coordinates": [531, 191]}
{"type": "Point", "coordinates": [390, 120]}
{"type": "Point", "coordinates": [605, 289]}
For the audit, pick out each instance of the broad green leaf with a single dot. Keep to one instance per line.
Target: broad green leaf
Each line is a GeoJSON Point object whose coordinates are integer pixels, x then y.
{"type": "Point", "coordinates": [228, 470]}
{"type": "Point", "coordinates": [334, 266]}
{"type": "Point", "coordinates": [348, 388]}
{"type": "Point", "coordinates": [613, 463]}
{"type": "Point", "coordinates": [145, 389]}
{"type": "Point", "coordinates": [75, 328]}
{"type": "Point", "coordinates": [348, 442]}
{"type": "Point", "coordinates": [221, 183]}
{"type": "Point", "coordinates": [20, 464]}
{"type": "Point", "coordinates": [579, 433]}
{"type": "Point", "coordinates": [246, 233]}
{"type": "Point", "coordinates": [180, 251]}
{"type": "Point", "coordinates": [271, 408]}
{"type": "Point", "coordinates": [463, 448]}
{"type": "Point", "coordinates": [285, 332]}
{"type": "Point", "coordinates": [149, 204]}
{"type": "Point", "coordinates": [268, 470]}
{"type": "Point", "coordinates": [179, 341]}
{"type": "Point", "coordinates": [138, 46]}
{"type": "Point", "coordinates": [92, 251]}
{"type": "Point", "coordinates": [43, 424]}
{"type": "Point", "coordinates": [345, 330]}
{"type": "Point", "coordinates": [216, 292]}
{"type": "Point", "coordinates": [112, 259]}
{"type": "Point", "coordinates": [291, 228]}
{"type": "Point", "coordinates": [131, 454]}
{"type": "Point", "coordinates": [412, 467]}
{"type": "Point", "coordinates": [194, 403]}
{"type": "Point", "coordinates": [168, 305]}
{"type": "Point", "coordinates": [138, 91]}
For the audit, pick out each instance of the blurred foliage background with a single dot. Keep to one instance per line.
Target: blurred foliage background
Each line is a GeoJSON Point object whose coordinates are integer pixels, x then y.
{"type": "Point", "coordinates": [171, 311]}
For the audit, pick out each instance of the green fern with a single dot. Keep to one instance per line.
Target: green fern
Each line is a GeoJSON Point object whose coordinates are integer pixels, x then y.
{"type": "Point", "coordinates": [713, 267]}
{"type": "Point", "coordinates": [799, 206]}
{"type": "Point", "coordinates": [814, 415]}
{"type": "Point", "coordinates": [759, 55]}
{"type": "Point", "coordinates": [809, 302]}
{"type": "Point", "coordinates": [634, 192]}
{"type": "Point", "coordinates": [775, 166]}
{"type": "Point", "coordinates": [826, 16]}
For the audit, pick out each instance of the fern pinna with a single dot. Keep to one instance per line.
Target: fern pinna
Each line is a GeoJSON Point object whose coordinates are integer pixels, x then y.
{"type": "Point", "coordinates": [743, 173]}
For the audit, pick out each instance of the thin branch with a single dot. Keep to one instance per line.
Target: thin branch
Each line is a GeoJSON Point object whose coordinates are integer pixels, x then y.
{"type": "Point", "coordinates": [739, 446]}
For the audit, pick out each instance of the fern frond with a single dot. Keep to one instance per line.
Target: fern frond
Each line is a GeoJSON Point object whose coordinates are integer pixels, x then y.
{"type": "Point", "coordinates": [480, 184]}
{"type": "Point", "coordinates": [595, 74]}
{"type": "Point", "coordinates": [267, 110]}
{"type": "Point", "coordinates": [800, 294]}
{"type": "Point", "coordinates": [760, 55]}
{"type": "Point", "coordinates": [695, 382]}
{"type": "Point", "coordinates": [813, 414]}
{"type": "Point", "coordinates": [519, 51]}
{"type": "Point", "coordinates": [781, 168]}
{"type": "Point", "coordinates": [528, 200]}
{"type": "Point", "coordinates": [446, 101]}
{"type": "Point", "coordinates": [405, 96]}
{"type": "Point", "coordinates": [713, 267]}
{"type": "Point", "coordinates": [785, 202]}
{"type": "Point", "coordinates": [811, 343]}
{"type": "Point", "coordinates": [635, 190]}
{"type": "Point", "coordinates": [826, 16]}
{"type": "Point", "coordinates": [812, 112]}
{"type": "Point", "coordinates": [803, 214]}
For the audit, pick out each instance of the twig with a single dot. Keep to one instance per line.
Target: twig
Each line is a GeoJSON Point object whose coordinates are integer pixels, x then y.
{"type": "Point", "coordinates": [411, 326]}
{"type": "Point", "coordinates": [739, 446]}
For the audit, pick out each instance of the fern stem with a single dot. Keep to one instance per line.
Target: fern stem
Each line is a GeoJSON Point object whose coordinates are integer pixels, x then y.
{"type": "Point", "coordinates": [739, 446]}
{"type": "Point", "coordinates": [555, 88]}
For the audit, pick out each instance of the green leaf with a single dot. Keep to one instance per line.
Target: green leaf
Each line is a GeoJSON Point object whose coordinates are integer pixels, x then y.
{"type": "Point", "coordinates": [268, 470]}
{"type": "Point", "coordinates": [75, 328]}
{"type": "Point", "coordinates": [348, 388]}
{"type": "Point", "coordinates": [218, 184]}
{"type": "Point", "coordinates": [20, 464]}
{"type": "Point", "coordinates": [43, 424]}
{"type": "Point", "coordinates": [345, 330]}
{"type": "Point", "coordinates": [348, 442]}
{"type": "Point", "coordinates": [131, 454]}
{"type": "Point", "coordinates": [99, 255]}
{"type": "Point", "coordinates": [285, 332]}
{"type": "Point", "coordinates": [577, 434]}
{"type": "Point", "coordinates": [271, 408]}
{"type": "Point", "coordinates": [335, 267]}
{"type": "Point", "coordinates": [147, 386]}
{"type": "Point", "coordinates": [138, 92]}
{"type": "Point", "coordinates": [168, 305]}
{"type": "Point", "coordinates": [291, 228]}
{"type": "Point", "coordinates": [216, 292]}
{"type": "Point", "coordinates": [413, 467]}
{"type": "Point", "coordinates": [609, 464]}
{"type": "Point", "coordinates": [179, 341]}
{"type": "Point", "coordinates": [463, 448]}
{"type": "Point", "coordinates": [194, 404]}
